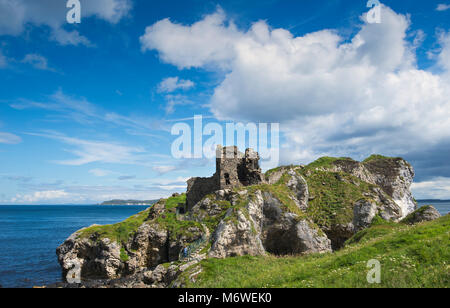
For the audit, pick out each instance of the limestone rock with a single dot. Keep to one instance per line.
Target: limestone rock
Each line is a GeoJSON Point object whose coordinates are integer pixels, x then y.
{"type": "Point", "coordinates": [309, 240]}
{"type": "Point", "coordinates": [299, 186]}
{"type": "Point", "coordinates": [425, 213]}
{"type": "Point", "coordinates": [95, 259]}
{"type": "Point", "coordinates": [363, 214]}
{"type": "Point", "coordinates": [393, 175]}
{"type": "Point", "coordinates": [264, 226]}
{"type": "Point", "coordinates": [236, 238]}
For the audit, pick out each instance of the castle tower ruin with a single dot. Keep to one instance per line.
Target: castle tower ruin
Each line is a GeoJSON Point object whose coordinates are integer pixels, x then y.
{"type": "Point", "coordinates": [233, 169]}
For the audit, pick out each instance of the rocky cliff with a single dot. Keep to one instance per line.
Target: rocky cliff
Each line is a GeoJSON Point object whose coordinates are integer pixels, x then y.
{"type": "Point", "coordinates": [295, 210]}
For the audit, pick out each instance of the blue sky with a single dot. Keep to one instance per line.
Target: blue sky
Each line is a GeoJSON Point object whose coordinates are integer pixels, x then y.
{"type": "Point", "coordinates": [86, 109]}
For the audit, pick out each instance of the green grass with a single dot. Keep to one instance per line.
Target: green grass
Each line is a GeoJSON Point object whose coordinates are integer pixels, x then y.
{"type": "Point", "coordinates": [271, 171]}
{"type": "Point", "coordinates": [123, 231]}
{"type": "Point", "coordinates": [334, 196]}
{"type": "Point", "coordinates": [410, 257]}
{"type": "Point", "coordinates": [326, 162]}
{"type": "Point", "coordinates": [378, 157]}
{"type": "Point", "coordinates": [120, 232]}
{"type": "Point", "coordinates": [282, 193]}
{"type": "Point", "coordinates": [174, 202]}
{"type": "Point", "coordinates": [124, 255]}
{"type": "Point", "coordinates": [170, 221]}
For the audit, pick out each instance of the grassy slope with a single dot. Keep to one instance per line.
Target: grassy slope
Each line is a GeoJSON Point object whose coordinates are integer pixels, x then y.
{"type": "Point", "coordinates": [123, 231]}
{"type": "Point", "coordinates": [119, 232]}
{"type": "Point", "coordinates": [410, 256]}
{"type": "Point", "coordinates": [335, 195]}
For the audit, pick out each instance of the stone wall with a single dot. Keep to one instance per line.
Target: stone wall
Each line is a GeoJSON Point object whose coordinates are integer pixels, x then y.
{"type": "Point", "coordinates": [233, 169]}
{"type": "Point", "coordinates": [197, 188]}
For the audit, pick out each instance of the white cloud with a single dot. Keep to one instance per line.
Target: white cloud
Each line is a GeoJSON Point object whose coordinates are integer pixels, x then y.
{"type": "Point", "coordinates": [9, 138]}
{"type": "Point", "coordinates": [442, 7]}
{"type": "Point", "coordinates": [330, 94]}
{"type": "Point", "coordinates": [437, 188]}
{"type": "Point", "coordinates": [57, 193]}
{"type": "Point", "coordinates": [100, 172]}
{"type": "Point", "coordinates": [16, 14]}
{"type": "Point", "coordinates": [164, 169]}
{"type": "Point", "coordinates": [74, 38]}
{"type": "Point", "coordinates": [444, 55]}
{"type": "Point", "coordinates": [37, 61]}
{"type": "Point", "coordinates": [42, 196]}
{"type": "Point", "coordinates": [175, 100]}
{"type": "Point", "coordinates": [172, 84]}
{"type": "Point", "coordinates": [110, 10]}
{"type": "Point", "coordinates": [207, 42]}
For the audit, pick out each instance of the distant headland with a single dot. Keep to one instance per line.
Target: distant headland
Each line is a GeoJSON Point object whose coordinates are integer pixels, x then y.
{"type": "Point", "coordinates": [129, 202]}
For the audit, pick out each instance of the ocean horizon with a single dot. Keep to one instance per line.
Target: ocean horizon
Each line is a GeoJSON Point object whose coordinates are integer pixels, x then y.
{"type": "Point", "coordinates": [30, 234]}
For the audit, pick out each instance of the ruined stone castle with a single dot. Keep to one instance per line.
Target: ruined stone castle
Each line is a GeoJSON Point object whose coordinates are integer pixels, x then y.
{"type": "Point", "coordinates": [233, 169]}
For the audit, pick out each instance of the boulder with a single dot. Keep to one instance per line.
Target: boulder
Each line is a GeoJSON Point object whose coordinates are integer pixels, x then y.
{"type": "Point", "coordinates": [425, 213]}
{"type": "Point", "coordinates": [363, 214]}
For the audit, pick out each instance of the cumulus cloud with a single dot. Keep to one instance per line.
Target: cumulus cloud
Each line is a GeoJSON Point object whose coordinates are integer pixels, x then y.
{"type": "Point", "coordinates": [331, 94]}
{"type": "Point", "coordinates": [16, 14]}
{"type": "Point", "coordinates": [42, 196]}
{"type": "Point", "coordinates": [442, 7]}
{"type": "Point", "coordinates": [210, 41]}
{"type": "Point", "coordinates": [173, 84]}
{"type": "Point", "coordinates": [9, 138]}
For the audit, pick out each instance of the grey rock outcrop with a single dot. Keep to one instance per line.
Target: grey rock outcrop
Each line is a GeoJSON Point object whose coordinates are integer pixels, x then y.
{"type": "Point", "coordinates": [363, 214]}
{"type": "Point", "coordinates": [425, 213]}
{"type": "Point", "coordinates": [299, 186]}
{"type": "Point", "coordinates": [393, 175]}
{"type": "Point", "coordinates": [95, 259]}
{"type": "Point", "coordinates": [264, 226]}
{"type": "Point", "coordinates": [104, 258]}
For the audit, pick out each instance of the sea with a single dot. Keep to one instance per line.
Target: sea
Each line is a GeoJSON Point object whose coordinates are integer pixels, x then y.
{"type": "Point", "coordinates": [30, 234]}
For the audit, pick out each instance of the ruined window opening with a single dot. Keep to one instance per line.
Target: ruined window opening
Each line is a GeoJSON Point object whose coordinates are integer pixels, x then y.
{"type": "Point", "coordinates": [227, 179]}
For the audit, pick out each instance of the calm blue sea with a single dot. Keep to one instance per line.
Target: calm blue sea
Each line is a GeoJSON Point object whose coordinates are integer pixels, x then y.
{"type": "Point", "coordinates": [29, 236]}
